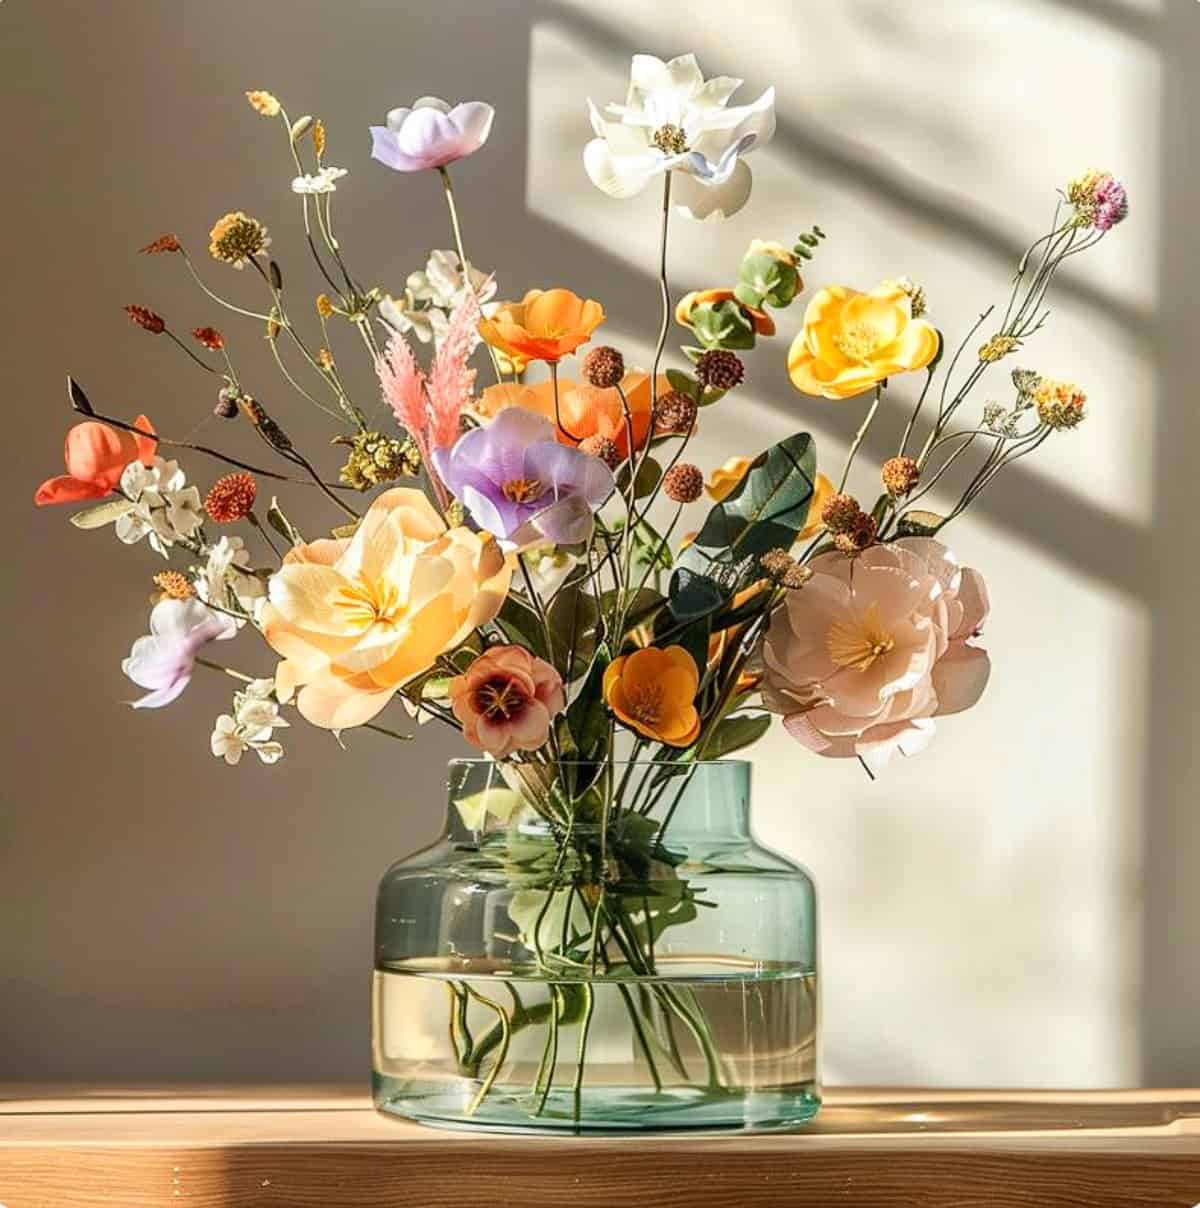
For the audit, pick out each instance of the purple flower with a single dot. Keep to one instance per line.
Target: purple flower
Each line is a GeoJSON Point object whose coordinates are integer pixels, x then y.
{"type": "Point", "coordinates": [431, 134]}
{"type": "Point", "coordinates": [163, 659]}
{"type": "Point", "coordinates": [1111, 202]}
{"type": "Point", "coordinates": [513, 475]}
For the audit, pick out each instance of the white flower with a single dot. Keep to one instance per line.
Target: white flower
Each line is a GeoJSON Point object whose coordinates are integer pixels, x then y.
{"type": "Point", "coordinates": [673, 120]}
{"type": "Point", "coordinates": [224, 581]}
{"type": "Point", "coordinates": [165, 510]}
{"type": "Point", "coordinates": [249, 728]}
{"type": "Point", "coordinates": [549, 567]}
{"type": "Point", "coordinates": [432, 295]}
{"type": "Point", "coordinates": [324, 181]}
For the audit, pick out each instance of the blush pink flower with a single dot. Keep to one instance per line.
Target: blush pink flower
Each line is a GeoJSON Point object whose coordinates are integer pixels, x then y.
{"type": "Point", "coordinates": [871, 649]}
{"type": "Point", "coordinates": [506, 700]}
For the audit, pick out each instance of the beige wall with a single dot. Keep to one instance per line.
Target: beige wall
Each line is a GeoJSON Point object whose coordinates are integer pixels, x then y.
{"type": "Point", "coordinates": [1016, 906]}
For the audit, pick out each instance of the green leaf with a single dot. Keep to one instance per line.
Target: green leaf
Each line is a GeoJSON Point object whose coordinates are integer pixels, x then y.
{"type": "Point", "coordinates": [522, 626]}
{"type": "Point", "coordinates": [734, 733]}
{"type": "Point", "coordinates": [711, 396]}
{"type": "Point", "coordinates": [722, 325]}
{"type": "Point", "coordinates": [916, 523]}
{"type": "Point", "coordinates": [102, 514]}
{"type": "Point", "coordinates": [649, 548]}
{"type": "Point", "coordinates": [681, 381]}
{"type": "Point", "coordinates": [587, 714]}
{"type": "Point", "coordinates": [648, 475]}
{"type": "Point", "coordinates": [574, 613]}
{"type": "Point", "coordinates": [693, 594]}
{"type": "Point", "coordinates": [765, 511]}
{"type": "Point", "coordinates": [639, 607]}
{"type": "Point", "coordinates": [282, 525]}
{"type": "Point", "coordinates": [694, 639]}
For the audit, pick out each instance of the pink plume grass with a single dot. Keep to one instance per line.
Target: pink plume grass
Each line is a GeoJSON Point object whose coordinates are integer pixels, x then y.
{"type": "Point", "coordinates": [451, 380]}
{"type": "Point", "coordinates": [403, 385]}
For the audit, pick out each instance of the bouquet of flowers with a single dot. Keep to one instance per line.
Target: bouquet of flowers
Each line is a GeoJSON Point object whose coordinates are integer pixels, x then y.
{"type": "Point", "coordinates": [531, 557]}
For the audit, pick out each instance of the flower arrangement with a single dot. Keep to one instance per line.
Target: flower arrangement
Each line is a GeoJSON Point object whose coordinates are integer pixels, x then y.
{"type": "Point", "coordinates": [505, 554]}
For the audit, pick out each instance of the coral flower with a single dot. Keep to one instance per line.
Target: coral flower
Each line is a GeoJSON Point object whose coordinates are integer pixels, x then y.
{"type": "Point", "coordinates": [653, 691]}
{"type": "Point", "coordinates": [355, 619]}
{"type": "Point", "coordinates": [96, 456]}
{"type": "Point", "coordinates": [506, 700]}
{"type": "Point", "coordinates": [546, 325]}
{"type": "Point", "coordinates": [584, 410]}
{"type": "Point", "coordinates": [862, 659]}
{"type": "Point", "coordinates": [851, 341]}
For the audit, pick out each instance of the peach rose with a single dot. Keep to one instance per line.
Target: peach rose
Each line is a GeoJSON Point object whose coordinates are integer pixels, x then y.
{"type": "Point", "coordinates": [506, 700]}
{"type": "Point", "coordinates": [863, 657]}
{"type": "Point", "coordinates": [356, 619]}
{"type": "Point", "coordinates": [851, 341]}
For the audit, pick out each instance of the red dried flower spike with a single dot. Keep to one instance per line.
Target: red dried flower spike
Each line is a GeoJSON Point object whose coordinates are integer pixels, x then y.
{"type": "Point", "coordinates": [164, 243]}
{"type": "Point", "coordinates": [210, 337]}
{"type": "Point", "coordinates": [231, 498]}
{"type": "Point", "coordinates": [145, 318]}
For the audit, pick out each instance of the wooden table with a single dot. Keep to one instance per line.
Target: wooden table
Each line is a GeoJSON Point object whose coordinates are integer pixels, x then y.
{"type": "Point", "coordinates": [326, 1148]}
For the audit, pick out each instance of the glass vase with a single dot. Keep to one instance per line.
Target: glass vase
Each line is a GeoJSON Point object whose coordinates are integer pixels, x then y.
{"type": "Point", "coordinates": [597, 948]}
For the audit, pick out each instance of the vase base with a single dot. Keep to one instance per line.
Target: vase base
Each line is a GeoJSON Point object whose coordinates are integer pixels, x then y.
{"type": "Point", "coordinates": [598, 1109]}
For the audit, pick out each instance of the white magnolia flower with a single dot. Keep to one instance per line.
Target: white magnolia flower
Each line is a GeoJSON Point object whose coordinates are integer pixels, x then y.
{"type": "Point", "coordinates": [250, 726]}
{"type": "Point", "coordinates": [432, 295]}
{"type": "Point", "coordinates": [673, 120]}
{"type": "Point", "coordinates": [324, 181]}
{"type": "Point", "coordinates": [224, 579]}
{"type": "Point", "coordinates": [164, 509]}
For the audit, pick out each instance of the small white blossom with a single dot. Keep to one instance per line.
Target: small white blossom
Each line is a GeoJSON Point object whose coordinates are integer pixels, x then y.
{"type": "Point", "coordinates": [250, 726]}
{"type": "Point", "coordinates": [224, 579]}
{"type": "Point", "coordinates": [549, 568]}
{"type": "Point", "coordinates": [164, 508]}
{"type": "Point", "coordinates": [324, 181]}
{"type": "Point", "coordinates": [432, 295]}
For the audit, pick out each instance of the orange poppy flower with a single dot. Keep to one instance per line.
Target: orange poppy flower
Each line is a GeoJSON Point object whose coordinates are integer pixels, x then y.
{"type": "Point", "coordinates": [96, 456]}
{"type": "Point", "coordinates": [546, 325]}
{"type": "Point", "coordinates": [653, 691]}
{"type": "Point", "coordinates": [583, 410]}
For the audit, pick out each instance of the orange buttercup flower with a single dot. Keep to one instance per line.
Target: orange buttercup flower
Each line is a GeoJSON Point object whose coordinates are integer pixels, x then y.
{"type": "Point", "coordinates": [762, 322]}
{"type": "Point", "coordinates": [96, 456]}
{"type": "Point", "coordinates": [546, 325]}
{"type": "Point", "coordinates": [653, 691]}
{"type": "Point", "coordinates": [583, 410]}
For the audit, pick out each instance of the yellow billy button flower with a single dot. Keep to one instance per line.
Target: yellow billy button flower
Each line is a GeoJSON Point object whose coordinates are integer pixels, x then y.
{"type": "Point", "coordinates": [653, 691]}
{"type": "Point", "coordinates": [852, 341]}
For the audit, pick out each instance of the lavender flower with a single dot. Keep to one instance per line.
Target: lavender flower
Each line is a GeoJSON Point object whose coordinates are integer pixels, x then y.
{"type": "Point", "coordinates": [431, 134]}
{"type": "Point", "coordinates": [513, 475]}
{"type": "Point", "coordinates": [163, 659]}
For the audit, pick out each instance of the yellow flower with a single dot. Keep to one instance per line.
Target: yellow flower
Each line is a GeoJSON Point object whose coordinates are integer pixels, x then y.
{"type": "Point", "coordinates": [851, 341]}
{"type": "Point", "coordinates": [236, 238]}
{"type": "Point", "coordinates": [724, 480]}
{"type": "Point", "coordinates": [1059, 404]}
{"type": "Point", "coordinates": [263, 102]}
{"type": "Point", "coordinates": [324, 306]}
{"type": "Point", "coordinates": [653, 691]}
{"type": "Point", "coordinates": [357, 618]}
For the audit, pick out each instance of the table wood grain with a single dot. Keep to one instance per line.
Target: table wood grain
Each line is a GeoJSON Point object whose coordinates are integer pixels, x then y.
{"type": "Point", "coordinates": [324, 1147]}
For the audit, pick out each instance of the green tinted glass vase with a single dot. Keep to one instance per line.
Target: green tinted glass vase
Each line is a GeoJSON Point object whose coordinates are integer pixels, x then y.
{"type": "Point", "coordinates": [622, 955]}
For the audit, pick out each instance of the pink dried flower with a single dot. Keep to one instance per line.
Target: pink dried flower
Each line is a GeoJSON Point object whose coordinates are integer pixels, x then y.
{"type": "Point", "coordinates": [450, 379]}
{"type": "Point", "coordinates": [506, 700]}
{"type": "Point", "coordinates": [1112, 204]}
{"type": "Point", "coordinates": [403, 384]}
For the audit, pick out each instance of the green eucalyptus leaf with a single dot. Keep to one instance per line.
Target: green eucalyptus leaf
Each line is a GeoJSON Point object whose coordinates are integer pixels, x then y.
{"type": "Point", "coordinates": [734, 733]}
{"type": "Point", "coordinates": [681, 381]}
{"type": "Point", "coordinates": [648, 475]}
{"type": "Point", "coordinates": [102, 514]}
{"type": "Point", "coordinates": [722, 325]}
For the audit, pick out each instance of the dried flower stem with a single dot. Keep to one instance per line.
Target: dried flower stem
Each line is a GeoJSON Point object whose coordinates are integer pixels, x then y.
{"type": "Point", "coordinates": [859, 436]}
